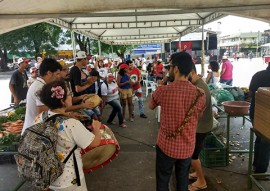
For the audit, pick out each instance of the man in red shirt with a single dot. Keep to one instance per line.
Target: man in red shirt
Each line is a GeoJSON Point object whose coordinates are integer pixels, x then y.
{"type": "Point", "coordinates": [181, 105]}
{"type": "Point", "coordinates": [135, 76]}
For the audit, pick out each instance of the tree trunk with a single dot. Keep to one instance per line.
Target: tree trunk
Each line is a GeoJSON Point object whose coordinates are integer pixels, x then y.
{"type": "Point", "coordinates": [79, 41]}
{"type": "Point", "coordinates": [3, 61]}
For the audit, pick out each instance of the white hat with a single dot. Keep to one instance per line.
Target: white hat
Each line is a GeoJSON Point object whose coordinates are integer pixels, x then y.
{"type": "Point", "coordinates": [20, 60]}
{"type": "Point", "coordinates": [224, 57]}
{"type": "Point", "coordinates": [81, 55]}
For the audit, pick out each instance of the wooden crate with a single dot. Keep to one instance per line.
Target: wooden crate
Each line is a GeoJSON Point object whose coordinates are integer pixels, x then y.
{"type": "Point", "coordinates": [262, 111]}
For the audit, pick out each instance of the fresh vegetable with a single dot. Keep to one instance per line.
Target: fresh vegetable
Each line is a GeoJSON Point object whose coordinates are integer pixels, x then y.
{"type": "Point", "coordinates": [9, 139]}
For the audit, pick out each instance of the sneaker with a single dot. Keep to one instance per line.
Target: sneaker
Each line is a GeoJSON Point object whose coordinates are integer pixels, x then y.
{"type": "Point", "coordinates": [131, 119]}
{"type": "Point", "coordinates": [123, 125]}
{"type": "Point", "coordinates": [143, 116]}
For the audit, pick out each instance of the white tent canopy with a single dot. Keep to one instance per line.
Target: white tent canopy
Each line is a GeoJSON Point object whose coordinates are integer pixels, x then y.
{"type": "Point", "coordinates": [127, 22]}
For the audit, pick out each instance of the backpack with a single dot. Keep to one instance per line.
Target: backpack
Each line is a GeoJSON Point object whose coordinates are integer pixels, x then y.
{"type": "Point", "coordinates": [37, 159]}
{"type": "Point", "coordinates": [99, 87]}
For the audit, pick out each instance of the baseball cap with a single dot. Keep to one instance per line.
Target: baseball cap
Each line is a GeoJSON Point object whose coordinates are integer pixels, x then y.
{"type": "Point", "coordinates": [33, 69]}
{"type": "Point", "coordinates": [81, 55]}
{"type": "Point", "coordinates": [110, 76]}
{"type": "Point", "coordinates": [20, 60]}
{"type": "Point", "coordinates": [122, 66]}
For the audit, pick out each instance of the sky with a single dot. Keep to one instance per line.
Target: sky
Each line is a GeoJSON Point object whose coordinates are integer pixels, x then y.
{"type": "Point", "coordinates": [234, 24]}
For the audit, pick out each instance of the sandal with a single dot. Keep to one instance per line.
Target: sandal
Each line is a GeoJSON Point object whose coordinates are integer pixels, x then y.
{"type": "Point", "coordinates": [192, 187]}
{"type": "Point", "coordinates": [123, 125]}
{"type": "Point", "coordinates": [190, 177]}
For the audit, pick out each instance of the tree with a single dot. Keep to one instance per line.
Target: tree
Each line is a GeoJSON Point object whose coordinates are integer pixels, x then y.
{"type": "Point", "coordinates": [32, 40]}
{"type": "Point", "coordinates": [120, 50]}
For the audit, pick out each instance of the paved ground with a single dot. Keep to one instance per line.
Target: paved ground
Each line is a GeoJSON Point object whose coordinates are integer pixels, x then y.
{"type": "Point", "coordinates": [134, 168]}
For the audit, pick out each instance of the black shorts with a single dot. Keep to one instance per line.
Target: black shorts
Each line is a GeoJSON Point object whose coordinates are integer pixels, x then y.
{"type": "Point", "coordinates": [198, 145]}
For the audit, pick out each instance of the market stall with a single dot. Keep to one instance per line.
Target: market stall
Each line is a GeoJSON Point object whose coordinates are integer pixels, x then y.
{"type": "Point", "coordinates": [11, 124]}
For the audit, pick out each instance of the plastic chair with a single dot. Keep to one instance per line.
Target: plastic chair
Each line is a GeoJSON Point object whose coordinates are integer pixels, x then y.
{"type": "Point", "coordinates": [144, 77]}
{"type": "Point", "coordinates": [150, 85]}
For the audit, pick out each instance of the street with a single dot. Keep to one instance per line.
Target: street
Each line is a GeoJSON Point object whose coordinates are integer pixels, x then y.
{"type": "Point", "coordinates": [243, 70]}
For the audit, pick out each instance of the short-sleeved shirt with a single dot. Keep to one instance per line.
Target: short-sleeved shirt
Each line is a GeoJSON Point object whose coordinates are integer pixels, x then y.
{"type": "Point", "coordinates": [260, 79]}
{"type": "Point", "coordinates": [75, 79]}
{"type": "Point", "coordinates": [32, 102]}
{"type": "Point", "coordinates": [175, 100]}
{"type": "Point", "coordinates": [125, 78]}
{"type": "Point", "coordinates": [135, 75]}
{"type": "Point", "coordinates": [103, 87]}
{"type": "Point", "coordinates": [71, 132]}
{"type": "Point", "coordinates": [205, 123]}
{"type": "Point", "coordinates": [159, 68]}
{"type": "Point", "coordinates": [19, 82]}
{"type": "Point", "coordinates": [228, 74]}
{"type": "Point", "coordinates": [112, 93]}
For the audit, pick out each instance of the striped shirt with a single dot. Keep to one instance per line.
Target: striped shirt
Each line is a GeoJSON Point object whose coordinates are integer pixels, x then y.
{"type": "Point", "coordinates": [175, 100]}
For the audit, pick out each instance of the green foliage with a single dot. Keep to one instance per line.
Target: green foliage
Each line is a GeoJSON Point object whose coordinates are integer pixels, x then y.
{"type": "Point", "coordinates": [120, 50]}
{"type": "Point", "coordinates": [33, 39]}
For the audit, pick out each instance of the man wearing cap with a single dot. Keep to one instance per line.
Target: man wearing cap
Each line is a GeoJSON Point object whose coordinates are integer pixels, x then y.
{"type": "Point", "coordinates": [37, 64]}
{"type": "Point", "coordinates": [226, 74]}
{"type": "Point", "coordinates": [33, 77]}
{"type": "Point", "coordinates": [135, 76]}
{"type": "Point", "coordinates": [77, 85]}
{"type": "Point", "coordinates": [18, 82]}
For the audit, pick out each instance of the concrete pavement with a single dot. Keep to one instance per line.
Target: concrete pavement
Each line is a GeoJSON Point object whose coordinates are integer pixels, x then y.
{"type": "Point", "coordinates": [134, 168]}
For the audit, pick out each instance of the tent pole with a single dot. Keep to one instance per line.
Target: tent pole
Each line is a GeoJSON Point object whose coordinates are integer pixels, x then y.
{"type": "Point", "coordinates": [202, 57]}
{"type": "Point", "coordinates": [99, 48]}
{"type": "Point", "coordinates": [179, 47]}
{"type": "Point", "coordinates": [73, 44]}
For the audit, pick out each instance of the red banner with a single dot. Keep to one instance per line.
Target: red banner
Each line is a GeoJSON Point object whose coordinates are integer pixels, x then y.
{"type": "Point", "coordinates": [184, 45]}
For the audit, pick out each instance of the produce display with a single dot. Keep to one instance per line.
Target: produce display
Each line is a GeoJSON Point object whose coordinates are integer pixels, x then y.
{"type": "Point", "coordinates": [11, 126]}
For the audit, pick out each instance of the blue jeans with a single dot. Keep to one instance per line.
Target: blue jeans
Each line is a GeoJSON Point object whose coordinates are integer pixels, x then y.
{"type": "Point", "coordinates": [117, 109]}
{"type": "Point", "coordinates": [227, 82]}
{"type": "Point", "coordinates": [164, 167]}
{"type": "Point", "coordinates": [141, 107]}
{"type": "Point", "coordinates": [261, 155]}
{"type": "Point", "coordinates": [91, 112]}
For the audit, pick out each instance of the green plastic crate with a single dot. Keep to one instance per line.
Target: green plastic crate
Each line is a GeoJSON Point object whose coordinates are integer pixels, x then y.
{"type": "Point", "coordinates": [213, 153]}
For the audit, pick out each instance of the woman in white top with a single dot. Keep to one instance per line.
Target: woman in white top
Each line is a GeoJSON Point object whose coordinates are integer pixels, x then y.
{"type": "Point", "coordinates": [114, 101]}
{"type": "Point", "coordinates": [102, 70]}
{"type": "Point", "coordinates": [213, 77]}
{"type": "Point", "coordinates": [71, 132]}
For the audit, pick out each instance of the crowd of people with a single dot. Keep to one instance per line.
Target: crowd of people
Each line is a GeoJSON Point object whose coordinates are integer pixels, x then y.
{"type": "Point", "coordinates": [184, 97]}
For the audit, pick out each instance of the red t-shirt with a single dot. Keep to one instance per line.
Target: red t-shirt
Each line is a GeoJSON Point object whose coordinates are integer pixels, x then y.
{"type": "Point", "coordinates": [159, 68]}
{"type": "Point", "coordinates": [135, 75]}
